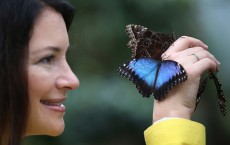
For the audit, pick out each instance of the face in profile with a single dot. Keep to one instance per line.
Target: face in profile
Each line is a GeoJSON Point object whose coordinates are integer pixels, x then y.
{"type": "Point", "coordinates": [49, 75]}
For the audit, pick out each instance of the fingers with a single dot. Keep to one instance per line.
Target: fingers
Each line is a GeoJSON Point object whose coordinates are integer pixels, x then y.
{"type": "Point", "coordinates": [184, 53]}
{"type": "Point", "coordinates": [205, 64]}
{"type": "Point", "coordinates": [195, 54]}
{"type": "Point", "coordinates": [185, 42]}
{"type": "Point", "coordinates": [205, 54]}
{"type": "Point", "coordinates": [188, 51]}
{"type": "Point", "coordinates": [199, 62]}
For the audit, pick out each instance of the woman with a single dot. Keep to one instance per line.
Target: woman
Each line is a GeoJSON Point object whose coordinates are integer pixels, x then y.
{"type": "Point", "coordinates": [35, 76]}
{"type": "Point", "coordinates": [34, 73]}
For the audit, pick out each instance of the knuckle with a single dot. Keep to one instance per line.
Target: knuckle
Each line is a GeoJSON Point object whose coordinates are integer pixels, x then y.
{"type": "Point", "coordinates": [206, 54]}
{"type": "Point", "coordinates": [173, 56]}
{"type": "Point", "coordinates": [209, 62]}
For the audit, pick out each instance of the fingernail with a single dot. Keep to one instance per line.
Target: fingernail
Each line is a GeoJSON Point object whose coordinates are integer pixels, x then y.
{"type": "Point", "coordinates": [218, 68]}
{"type": "Point", "coordinates": [206, 46]}
{"type": "Point", "coordinates": [182, 36]}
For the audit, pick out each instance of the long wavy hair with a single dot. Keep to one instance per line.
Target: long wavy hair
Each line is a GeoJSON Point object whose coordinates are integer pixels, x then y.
{"type": "Point", "coordinates": [17, 19]}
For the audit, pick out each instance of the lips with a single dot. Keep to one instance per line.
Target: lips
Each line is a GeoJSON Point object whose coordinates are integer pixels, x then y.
{"type": "Point", "coordinates": [50, 103]}
{"type": "Point", "coordinates": [54, 104]}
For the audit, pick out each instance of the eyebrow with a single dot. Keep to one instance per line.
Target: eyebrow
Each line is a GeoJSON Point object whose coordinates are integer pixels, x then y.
{"type": "Point", "coordinates": [52, 48]}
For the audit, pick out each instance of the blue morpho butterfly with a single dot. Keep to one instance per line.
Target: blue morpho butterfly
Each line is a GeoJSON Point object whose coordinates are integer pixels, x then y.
{"type": "Point", "coordinates": [146, 70]}
{"type": "Point", "coordinates": [150, 74]}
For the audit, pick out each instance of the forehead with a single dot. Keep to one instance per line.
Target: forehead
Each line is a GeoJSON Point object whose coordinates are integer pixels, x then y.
{"type": "Point", "coordinates": [49, 29]}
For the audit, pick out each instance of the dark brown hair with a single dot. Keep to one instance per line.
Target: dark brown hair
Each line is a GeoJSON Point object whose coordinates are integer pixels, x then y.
{"type": "Point", "coordinates": [17, 18]}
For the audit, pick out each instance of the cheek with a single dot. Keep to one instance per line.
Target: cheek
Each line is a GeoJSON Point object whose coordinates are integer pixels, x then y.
{"type": "Point", "coordinates": [39, 83]}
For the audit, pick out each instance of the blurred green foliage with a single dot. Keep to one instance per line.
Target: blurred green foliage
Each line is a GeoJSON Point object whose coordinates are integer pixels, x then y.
{"type": "Point", "coordinates": [107, 109]}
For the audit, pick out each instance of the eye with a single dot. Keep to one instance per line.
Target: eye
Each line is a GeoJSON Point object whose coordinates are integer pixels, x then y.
{"type": "Point", "coordinates": [47, 59]}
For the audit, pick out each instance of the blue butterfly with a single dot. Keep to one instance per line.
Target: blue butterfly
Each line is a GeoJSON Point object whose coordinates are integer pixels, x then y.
{"type": "Point", "coordinates": [146, 70]}
{"type": "Point", "coordinates": [152, 76]}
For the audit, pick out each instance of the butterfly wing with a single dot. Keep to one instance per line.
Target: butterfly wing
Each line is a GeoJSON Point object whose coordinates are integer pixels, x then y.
{"type": "Point", "coordinates": [146, 43]}
{"type": "Point", "coordinates": [135, 33]}
{"type": "Point", "coordinates": [170, 74]}
{"type": "Point", "coordinates": [152, 76]}
{"type": "Point", "coordinates": [220, 94]}
{"type": "Point", "coordinates": [142, 72]}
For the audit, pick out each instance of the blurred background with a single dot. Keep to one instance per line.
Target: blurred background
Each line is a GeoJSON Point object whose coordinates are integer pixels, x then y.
{"type": "Point", "coordinates": [107, 108]}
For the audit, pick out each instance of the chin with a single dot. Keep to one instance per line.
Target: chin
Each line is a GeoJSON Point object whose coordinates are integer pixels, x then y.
{"type": "Point", "coordinates": [54, 129]}
{"type": "Point", "coordinates": [56, 133]}
{"type": "Point", "coordinates": [58, 130]}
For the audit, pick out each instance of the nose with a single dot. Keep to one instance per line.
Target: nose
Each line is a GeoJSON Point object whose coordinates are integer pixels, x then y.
{"type": "Point", "coordinates": [67, 79]}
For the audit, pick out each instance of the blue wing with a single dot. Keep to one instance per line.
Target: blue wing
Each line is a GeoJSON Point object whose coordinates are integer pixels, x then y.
{"type": "Point", "coordinates": [152, 76]}
{"type": "Point", "coordinates": [170, 74]}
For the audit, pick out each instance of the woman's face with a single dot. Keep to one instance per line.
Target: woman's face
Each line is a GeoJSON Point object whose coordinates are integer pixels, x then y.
{"type": "Point", "coordinates": [49, 75]}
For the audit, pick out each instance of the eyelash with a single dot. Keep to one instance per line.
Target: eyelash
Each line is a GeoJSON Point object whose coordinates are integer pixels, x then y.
{"type": "Point", "coordinates": [47, 60]}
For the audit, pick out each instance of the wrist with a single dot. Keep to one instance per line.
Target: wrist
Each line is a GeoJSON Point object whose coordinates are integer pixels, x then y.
{"type": "Point", "coordinates": [170, 114]}
{"type": "Point", "coordinates": [164, 110]}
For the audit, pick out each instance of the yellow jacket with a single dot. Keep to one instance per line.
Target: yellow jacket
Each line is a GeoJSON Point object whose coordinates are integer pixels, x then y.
{"type": "Point", "coordinates": [175, 132]}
